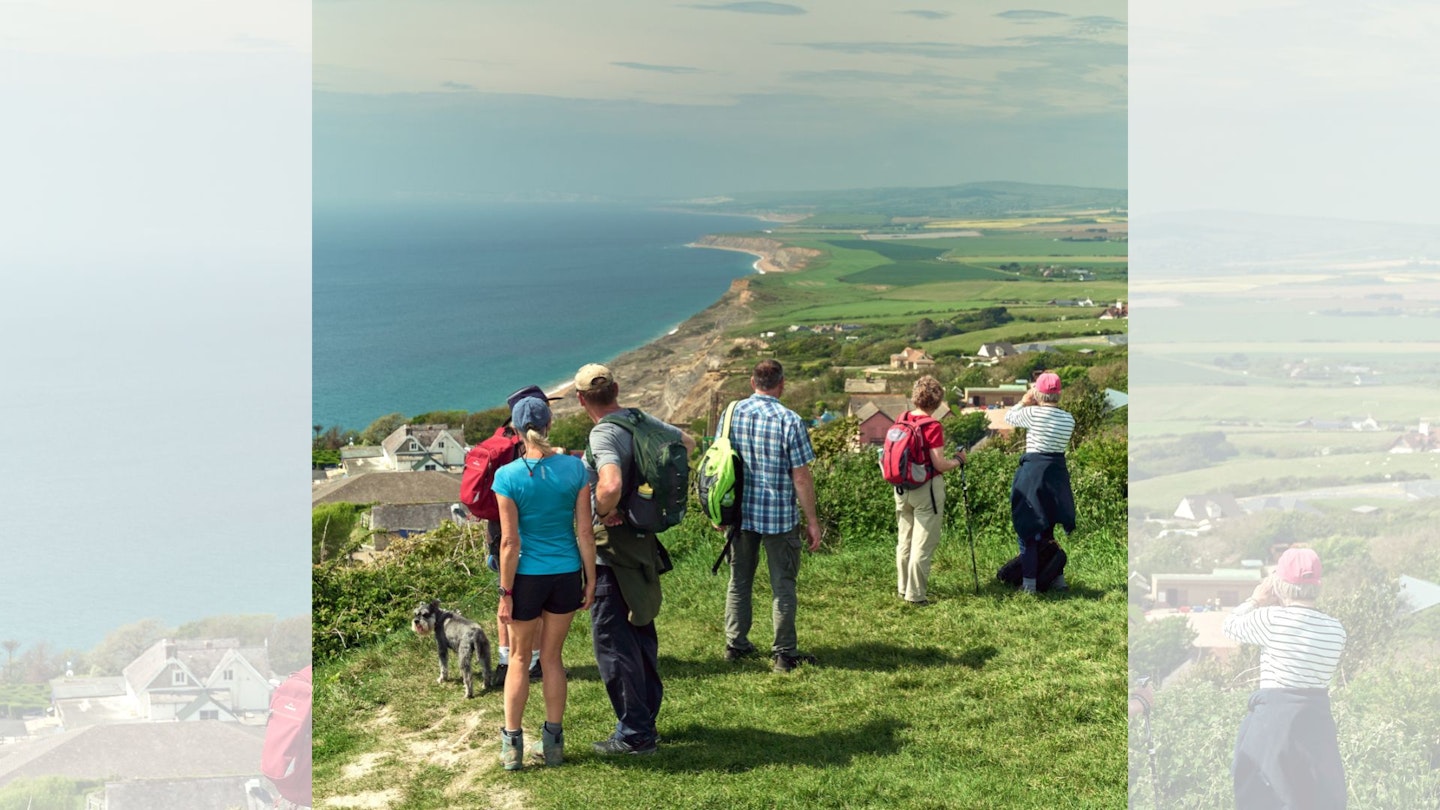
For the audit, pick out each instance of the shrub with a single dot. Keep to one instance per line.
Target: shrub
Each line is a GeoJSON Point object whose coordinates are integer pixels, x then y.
{"type": "Point", "coordinates": [331, 527]}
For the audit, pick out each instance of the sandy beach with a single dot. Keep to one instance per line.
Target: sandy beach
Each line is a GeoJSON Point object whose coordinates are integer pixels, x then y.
{"type": "Point", "coordinates": [674, 375]}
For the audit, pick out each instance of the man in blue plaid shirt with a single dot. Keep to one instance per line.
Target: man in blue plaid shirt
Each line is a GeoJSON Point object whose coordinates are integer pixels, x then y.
{"type": "Point", "coordinates": [773, 443]}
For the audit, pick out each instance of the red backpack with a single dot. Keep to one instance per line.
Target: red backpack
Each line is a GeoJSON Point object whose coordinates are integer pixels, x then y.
{"type": "Point", "coordinates": [904, 461]}
{"type": "Point", "coordinates": [480, 465]}
{"type": "Point", "coordinates": [285, 756]}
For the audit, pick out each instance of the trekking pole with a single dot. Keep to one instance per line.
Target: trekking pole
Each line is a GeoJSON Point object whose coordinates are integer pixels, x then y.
{"type": "Point", "coordinates": [965, 497]}
{"type": "Point", "coordinates": [724, 552]}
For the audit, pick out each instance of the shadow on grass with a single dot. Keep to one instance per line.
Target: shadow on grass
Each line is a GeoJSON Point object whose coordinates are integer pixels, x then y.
{"type": "Point", "coordinates": [998, 591]}
{"type": "Point", "coordinates": [695, 749]}
{"type": "Point", "coordinates": [882, 657]}
{"type": "Point", "coordinates": [867, 656]}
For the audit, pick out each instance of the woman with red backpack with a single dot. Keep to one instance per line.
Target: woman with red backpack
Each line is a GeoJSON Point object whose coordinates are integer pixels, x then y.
{"type": "Point", "coordinates": [919, 510]}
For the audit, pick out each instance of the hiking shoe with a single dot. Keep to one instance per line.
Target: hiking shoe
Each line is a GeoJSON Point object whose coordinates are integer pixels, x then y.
{"type": "Point", "coordinates": [512, 750]}
{"type": "Point", "coordinates": [785, 662]}
{"type": "Point", "coordinates": [1060, 584]}
{"type": "Point", "coordinates": [611, 746]}
{"type": "Point", "coordinates": [498, 678]}
{"type": "Point", "coordinates": [918, 602]}
{"type": "Point", "coordinates": [733, 654]}
{"type": "Point", "coordinates": [550, 748]}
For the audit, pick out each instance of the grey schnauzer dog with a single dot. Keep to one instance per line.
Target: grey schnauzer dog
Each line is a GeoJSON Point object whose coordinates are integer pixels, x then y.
{"type": "Point", "coordinates": [455, 632]}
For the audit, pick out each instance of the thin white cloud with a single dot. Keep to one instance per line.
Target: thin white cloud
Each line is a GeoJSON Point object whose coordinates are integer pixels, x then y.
{"type": "Point", "coordinates": [750, 8]}
{"type": "Point", "coordinates": [675, 69]}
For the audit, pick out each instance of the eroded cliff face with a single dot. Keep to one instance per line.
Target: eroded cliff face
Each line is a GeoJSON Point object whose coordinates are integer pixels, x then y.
{"type": "Point", "coordinates": [780, 257]}
{"type": "Point", "coordinates": [674, 377]}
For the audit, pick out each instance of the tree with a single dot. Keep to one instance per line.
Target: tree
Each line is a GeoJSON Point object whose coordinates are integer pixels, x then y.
{"type": "Point", "coordinates": [10, 645]}
{"type": "Point", "coordinates": [38, 664]}
{"type": "Point", "coordinates": [835, 439]}
{"type": "Point", "coordinates": [571, 432]}
{"type": "Point", "coordinates": [249, 629]}
{"type": "Point", "coordinates": [481, 425]}
{"type": "Point", "coordinates": [448, 418]}
{"type": "Point", "coordinates": [382, 427]}
{"type": "Point", "coordinates": [967, 428]}
{"type": "Point", "coordinates": [124, 645]}
{"type": "Point", "coordinates": [1086, 403]}
{"type": "Point", "coordinates": [1158, 647]}
{"type": "Point", "coordinates": [289, 644]}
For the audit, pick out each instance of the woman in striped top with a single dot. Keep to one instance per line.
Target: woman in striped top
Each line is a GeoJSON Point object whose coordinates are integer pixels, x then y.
{"type": "Point", "coordinates": [1286, 754]}
{"type": "Point", "coordinates": [1040, 496]}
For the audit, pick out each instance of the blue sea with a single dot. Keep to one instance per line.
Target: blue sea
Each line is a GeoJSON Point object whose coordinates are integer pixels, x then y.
{"type": "Point", "coordinates": [421, 307]}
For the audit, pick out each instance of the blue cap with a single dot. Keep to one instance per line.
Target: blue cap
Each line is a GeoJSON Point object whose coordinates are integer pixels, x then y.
{"type": "Point", "coordinates": [530, 413]}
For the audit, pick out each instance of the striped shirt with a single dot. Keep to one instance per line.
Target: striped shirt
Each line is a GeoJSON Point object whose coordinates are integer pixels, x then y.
{"type": "Point", "coordinates": [772, 440]}
{"type": "Point", "coordinates": [1047, 428]}
{"type": "Point", "coordinates": [1299, 646]}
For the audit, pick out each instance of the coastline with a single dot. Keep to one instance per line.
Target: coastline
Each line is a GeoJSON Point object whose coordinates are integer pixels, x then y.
{"type": "Point", "coordinates": [762, 263]}
{"type": "Point", "coordinates": [674, 375]}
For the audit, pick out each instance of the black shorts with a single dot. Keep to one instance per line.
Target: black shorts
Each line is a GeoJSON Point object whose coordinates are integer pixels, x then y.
{"type": "Point", "coordinates": [552, 593]}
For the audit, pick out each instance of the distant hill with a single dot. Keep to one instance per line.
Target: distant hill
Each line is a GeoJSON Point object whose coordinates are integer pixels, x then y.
{"type": "Point", "coordinates": [989, 199]}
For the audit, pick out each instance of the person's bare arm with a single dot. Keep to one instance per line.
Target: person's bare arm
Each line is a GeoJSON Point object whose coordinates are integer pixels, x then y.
{"type": "Point", "coordinates": [509, 552]}
{"type": "Point", "coordinates": [585, 538]}
{"type": "Point", "coordinates": [943, 463]}
{"type": "Point", "coordinates": [805, 494]}
{"type": "Point", "coordinates": [607, 495]}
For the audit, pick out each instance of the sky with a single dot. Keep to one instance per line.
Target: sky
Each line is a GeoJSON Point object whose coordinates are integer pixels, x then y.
{"type": "Point", "coordinates": [155, 358]}
{"type": "Point", "coordinates": [1286, 107]}
{"type": "Point", "coordinates": [678, 100]}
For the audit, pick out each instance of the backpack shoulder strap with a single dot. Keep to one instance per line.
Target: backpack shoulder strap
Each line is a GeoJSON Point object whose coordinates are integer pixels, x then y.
{"type": "Point", "coordinates": [724, 432]}
{"type": "Point", "coordinates": [629, 419]}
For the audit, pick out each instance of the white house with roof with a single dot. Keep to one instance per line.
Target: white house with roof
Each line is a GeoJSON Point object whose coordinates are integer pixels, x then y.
{"type": "Point", "coordinates": [1208, 507]}
{"type": "Point", "coordinates": [215, 679]}
{"type": "Point", "coordinates": [424, 447]}
{"type": "Point", "coordinates": [1230, 586]}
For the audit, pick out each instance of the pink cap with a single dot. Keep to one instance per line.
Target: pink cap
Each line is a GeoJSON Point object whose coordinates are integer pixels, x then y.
{"type": "Point", "coordinates": [1299, 566]}
{"type": "Point", "coordinates": [1048, 383]}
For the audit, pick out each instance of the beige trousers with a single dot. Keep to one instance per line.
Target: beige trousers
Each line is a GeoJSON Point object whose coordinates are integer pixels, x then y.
{"type": "Point", "coordinates": [920, 523]}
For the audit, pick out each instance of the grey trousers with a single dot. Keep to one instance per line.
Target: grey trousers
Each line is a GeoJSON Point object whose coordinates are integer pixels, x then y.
{"type": "Point", "coordinates": [782, 553]}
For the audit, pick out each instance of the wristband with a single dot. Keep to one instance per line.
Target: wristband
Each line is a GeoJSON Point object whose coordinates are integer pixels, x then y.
{"type": "Point", "coordinates": [504, 591]}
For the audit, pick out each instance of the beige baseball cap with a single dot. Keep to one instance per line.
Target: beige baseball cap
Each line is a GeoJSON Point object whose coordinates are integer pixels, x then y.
{"type": "Point", "coordinates": [592, 377]}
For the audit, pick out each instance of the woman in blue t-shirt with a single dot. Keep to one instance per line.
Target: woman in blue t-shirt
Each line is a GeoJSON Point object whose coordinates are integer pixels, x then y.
{"type": "Point", "coordinates": [543, 551]}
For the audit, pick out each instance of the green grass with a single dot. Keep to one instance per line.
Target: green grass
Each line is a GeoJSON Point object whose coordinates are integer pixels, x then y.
{"type": "Point", "coordinates": [861, 281]}
{"type": "Point", "coordinates": [1277, 404]}
{"type": "Point", "coordinates": [1239, 476]}
{"type": "Point", "coordinates": [912, 273]}
{"type": "Point", "coordinates": [1075, 327]}
{"type": "Point", "coordinates": [18, 697]}
{"type": "Point", "coordinates": [977, 701]}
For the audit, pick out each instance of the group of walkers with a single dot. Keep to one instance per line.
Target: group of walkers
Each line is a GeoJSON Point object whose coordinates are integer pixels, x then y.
{"type": "Point", "coordinates": [566, 545]}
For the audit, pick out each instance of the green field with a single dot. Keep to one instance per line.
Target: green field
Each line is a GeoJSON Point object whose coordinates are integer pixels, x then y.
{"type": "Point", "coordinates": [895, 283]}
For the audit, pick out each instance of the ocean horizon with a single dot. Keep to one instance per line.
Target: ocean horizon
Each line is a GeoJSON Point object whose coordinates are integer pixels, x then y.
{"type": "Point", "coordinates": [424, 307]}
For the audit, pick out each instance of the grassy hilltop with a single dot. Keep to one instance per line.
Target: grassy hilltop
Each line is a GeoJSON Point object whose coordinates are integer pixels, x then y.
{"type": "Point", "coordinates": [979, 700]}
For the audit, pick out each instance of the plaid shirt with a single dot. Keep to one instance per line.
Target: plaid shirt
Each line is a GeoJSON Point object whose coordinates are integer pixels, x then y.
{"type": "Point", "coordinates": [771, 440]}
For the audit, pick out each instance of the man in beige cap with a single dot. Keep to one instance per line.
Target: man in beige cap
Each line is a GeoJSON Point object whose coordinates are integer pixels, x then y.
{"type": "Point", "coordinates": [627, 584]}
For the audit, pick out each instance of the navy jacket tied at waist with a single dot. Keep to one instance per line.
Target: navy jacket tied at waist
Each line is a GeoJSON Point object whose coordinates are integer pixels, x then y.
{"type": "Point", "coordinates": [1286, 756]}
{"type": "Point", "coordinates": [1040, 497]}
